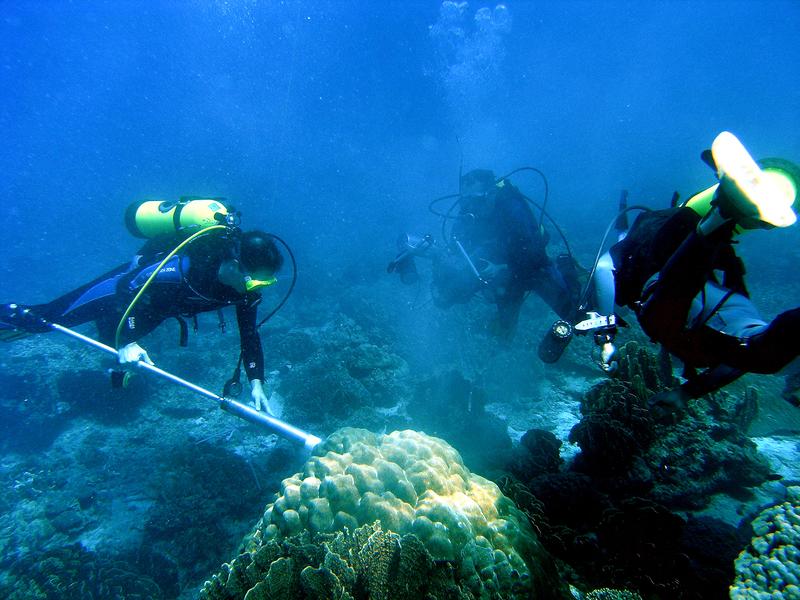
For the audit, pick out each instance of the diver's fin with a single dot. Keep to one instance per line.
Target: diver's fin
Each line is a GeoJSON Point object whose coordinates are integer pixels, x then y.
{"type": "Point", "coordinates": [708, 158]}
{"type": "Point", "coordinates": [752, 197]}
{"type": "Point", "coordinates": [622, 212]}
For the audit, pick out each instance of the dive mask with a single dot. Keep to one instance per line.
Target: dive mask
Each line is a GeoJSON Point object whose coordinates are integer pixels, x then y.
{"type": "Point", "coordinates": [251, 284]}
{"type": "Point", "coordinates": [232, 274]}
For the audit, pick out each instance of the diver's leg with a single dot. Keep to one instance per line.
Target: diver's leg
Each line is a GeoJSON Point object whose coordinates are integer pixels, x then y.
{"type": "Point", "coordinates": [551, 286]}
{"type": "Point", "coordinates": [509, 304]}
{"type": "Point", "coordinates": [81, 305]}
{"type": "Point", "coordinates": [664, 313]}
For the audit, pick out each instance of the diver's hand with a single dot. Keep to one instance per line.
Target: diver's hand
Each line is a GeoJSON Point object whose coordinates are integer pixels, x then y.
{"type": "Point", "coordinates": [607, 354]}
{"type": "Point", "coordinates": [132, 353]}
{"type": "Point", "coordinates": [667, 407]}
{"type": "Point", "coordinates": [259, 397]}
{"type": "Point", "coordinates": [490, 271]}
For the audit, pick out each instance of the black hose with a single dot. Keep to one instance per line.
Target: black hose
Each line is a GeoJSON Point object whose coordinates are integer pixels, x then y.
{"type": "Point", "coordinates": [553, 223]}
{"type": "Point", "coordinates": [291, 285]}
{"type": "Point", "coordinates": [546, 190]}
{"type": "Point", "coordinates": [439, 199]}
{"type": "Point", "coordinates": [587, 287]}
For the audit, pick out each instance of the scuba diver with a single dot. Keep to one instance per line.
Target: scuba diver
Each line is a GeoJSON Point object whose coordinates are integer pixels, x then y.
{"type": "Point", "coordinates": [496, 246]}
{"type": "Point", "coordinates": [196, 260]}
{"type": "Point", "coordinates": [677, 270]}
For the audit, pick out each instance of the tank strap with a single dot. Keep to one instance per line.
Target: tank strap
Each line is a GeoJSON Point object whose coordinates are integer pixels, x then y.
{"type": "Point", "coordinates": [183, 340]}
{"type": "Point", "coordinates": [726, 296]}
{"type": "Point", "coordinates": [176, 215]}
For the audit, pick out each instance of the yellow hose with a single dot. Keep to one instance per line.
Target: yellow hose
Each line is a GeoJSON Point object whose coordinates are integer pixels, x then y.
{"type": "Point", "coordinates": [153, 276]}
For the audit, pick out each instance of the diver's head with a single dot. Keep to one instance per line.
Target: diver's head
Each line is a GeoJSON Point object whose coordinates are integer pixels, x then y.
{"type": "Point", "coordinates": [256, 264]}
{"type": "Point", "coordinates": [477, 182]}
{"type": "Point", "coordinates": [258, 252]}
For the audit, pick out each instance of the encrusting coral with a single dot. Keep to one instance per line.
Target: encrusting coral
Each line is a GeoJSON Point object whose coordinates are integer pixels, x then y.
{"type": "Point", "coordinates": [770, 566]}
{"type": "Point", "coordinates": [389, 516]}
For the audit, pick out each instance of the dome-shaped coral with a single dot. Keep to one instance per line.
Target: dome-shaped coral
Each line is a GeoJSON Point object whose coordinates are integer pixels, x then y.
{"type": "Point", "coordinates": [770, 566]}
{"type": "Point", "coordinates": [413, 484]}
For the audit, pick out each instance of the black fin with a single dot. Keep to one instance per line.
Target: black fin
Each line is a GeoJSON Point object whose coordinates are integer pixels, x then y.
{"type": "Point", "coordinates": [708, 158]}
{"type": "Point", "coordinates": [622, 214]}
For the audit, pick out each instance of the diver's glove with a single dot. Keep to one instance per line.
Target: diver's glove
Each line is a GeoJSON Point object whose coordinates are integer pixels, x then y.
{"type": "Point", "coordinates": [132, 353]}
{"type": "Point", "coordinates": [607, 362]}
{"type": "Point", "coordinates": [604, 338]}
{"type": "Point", "coordinates": [490, 271]}
{"type": "Point", "coordinates": [259, 397]}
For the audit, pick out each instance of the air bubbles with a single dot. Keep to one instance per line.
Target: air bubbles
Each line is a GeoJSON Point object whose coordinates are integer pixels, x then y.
{"type": "Point", "coordinates": [501, 18]}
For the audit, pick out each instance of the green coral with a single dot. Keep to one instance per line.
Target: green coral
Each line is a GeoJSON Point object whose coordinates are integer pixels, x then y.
{"type": "Point", "coordinates": [705, 453]}
{"type": "Point", "coordinates": [608, 594]}
{"type": "Point", "coordinates": [645, 372]}
{"type": "Point", "coordinates": [770, 566]}
{"type": "Point", "coordinates": [344, 375]}
{"type": "Point", "coordinates": [74, 573]}
{"type": "Point", "coordinates": [376, 512]}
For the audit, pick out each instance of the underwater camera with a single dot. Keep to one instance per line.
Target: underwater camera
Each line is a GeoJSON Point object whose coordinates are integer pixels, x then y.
{"type": "Point", "coordinates": [555, 341]}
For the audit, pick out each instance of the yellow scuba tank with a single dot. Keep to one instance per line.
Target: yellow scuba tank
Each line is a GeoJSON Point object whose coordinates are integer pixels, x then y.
{"type": "Point", "coordinates": [150, 218]}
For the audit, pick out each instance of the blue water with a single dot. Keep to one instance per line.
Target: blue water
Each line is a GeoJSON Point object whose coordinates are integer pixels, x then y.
{"type": "Point", "coordinates": [335, 122]}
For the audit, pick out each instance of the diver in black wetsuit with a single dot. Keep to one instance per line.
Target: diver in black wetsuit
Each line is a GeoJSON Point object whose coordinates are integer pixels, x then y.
{"type": "Point", "coordinates": [214, 270]}
{"type": "Point", "coordinates": [496, 247]}
{"type": "Point", "coordinates": [677, 269]}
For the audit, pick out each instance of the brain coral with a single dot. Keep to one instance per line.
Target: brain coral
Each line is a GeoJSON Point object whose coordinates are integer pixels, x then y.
{"type": "Point", "coordinates": [415, 485]}
{"type": "Point", "coordinates": [770, 566]}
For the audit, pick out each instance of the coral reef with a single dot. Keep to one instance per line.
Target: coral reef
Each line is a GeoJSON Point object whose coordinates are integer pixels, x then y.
{"type": "Point", "coordinates": [347, 373]}
{"type": "Point", "coordinates": [416, 487]}
{"type": "Point", "coordinates": [706, 452]}
{"type": "Point", "coordinates": [616, 428]}
{"type": "Point", "coordinates": [538, 453]}
{"type": "Point", "coordinates": [610, 515]}
{"type": "Point", "coordinates": [679, 465]}
{"type": "Point", "coordinates": [368, 562]}
{"type": "Point", "coordinates": [191, 518]}
{"type": "Point", "coordinates": [770, 566]}
{"type": "Point", "coordinates": [74, 573]}
{"type": "Point", "coordinates": [608, 594]}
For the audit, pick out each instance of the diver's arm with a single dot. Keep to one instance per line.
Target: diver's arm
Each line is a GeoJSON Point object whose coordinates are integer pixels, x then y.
{"type": "Point", "coordinates": [667, 406]}
{"type": "Point", "coordinates": [252, 352]}
{"type": "Point", "coordinates": [711, 380]}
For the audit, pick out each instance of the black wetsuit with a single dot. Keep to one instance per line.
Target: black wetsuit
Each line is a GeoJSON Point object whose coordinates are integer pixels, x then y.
{"type": "Point", "coordinates": [185, 286]}
{"type": "Point", "coordinates": [665, 242]}
{"type": "Point", "coordinates": [501, 228]}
